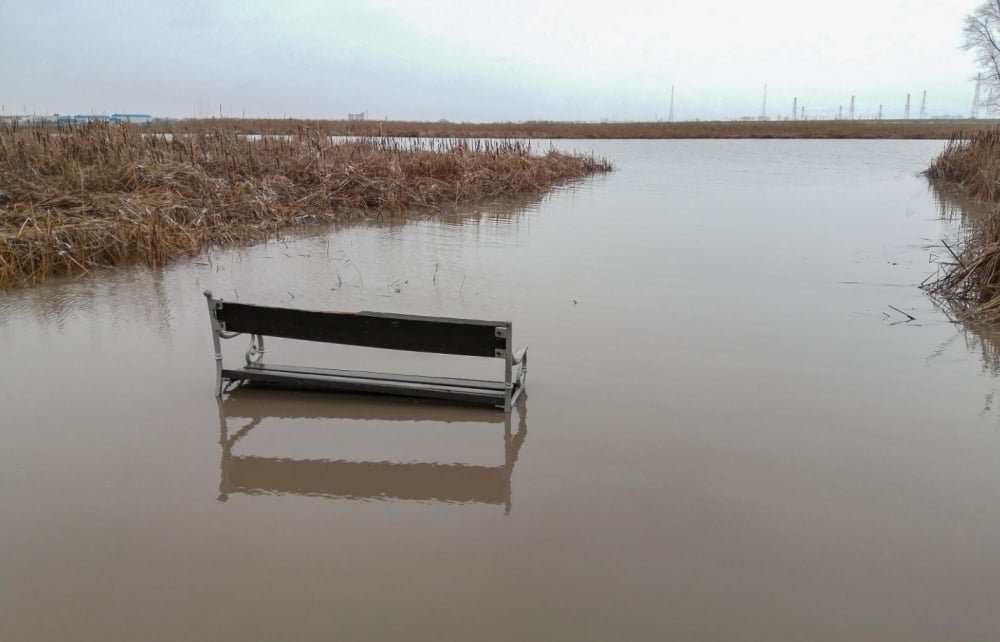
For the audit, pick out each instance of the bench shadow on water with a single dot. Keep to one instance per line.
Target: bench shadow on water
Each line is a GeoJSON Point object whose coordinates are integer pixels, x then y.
{"type": "Point", "coordinates": [246, 409]}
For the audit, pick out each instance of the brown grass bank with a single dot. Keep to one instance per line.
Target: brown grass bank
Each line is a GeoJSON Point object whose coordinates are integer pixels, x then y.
{"type": "Point", "coordinates": [852, 129]}
{"type": "Point", "coordinates": [969, 167]}
{"type": "Point", "coordinates": [74, 199]}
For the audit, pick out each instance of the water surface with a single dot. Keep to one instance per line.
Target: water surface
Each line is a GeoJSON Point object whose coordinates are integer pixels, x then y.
{"type": "Point", "coordinates": [728, 433]}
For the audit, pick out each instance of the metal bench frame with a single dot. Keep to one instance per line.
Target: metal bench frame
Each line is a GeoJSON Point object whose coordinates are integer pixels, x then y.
{"type": "Point", "coordinates": [469, 337]}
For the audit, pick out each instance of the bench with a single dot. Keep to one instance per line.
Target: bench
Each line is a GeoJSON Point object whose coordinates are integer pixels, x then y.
{"type": "Point", "coordinates": [467, 337]}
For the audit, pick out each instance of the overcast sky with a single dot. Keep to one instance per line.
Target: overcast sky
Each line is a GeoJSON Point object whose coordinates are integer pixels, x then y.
{"type": "Point", "coordinates": [482, 60]}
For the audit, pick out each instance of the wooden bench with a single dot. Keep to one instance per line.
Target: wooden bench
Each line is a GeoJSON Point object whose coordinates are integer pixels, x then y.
{"type": "Point", "coordinates": [468, 337]}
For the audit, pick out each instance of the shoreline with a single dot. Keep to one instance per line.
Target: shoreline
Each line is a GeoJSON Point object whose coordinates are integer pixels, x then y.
{"type": "Point", "coordinates": [969, 280]}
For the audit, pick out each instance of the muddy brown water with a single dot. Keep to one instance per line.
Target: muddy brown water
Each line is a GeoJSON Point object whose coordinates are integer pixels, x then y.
{"type": "Point", "coordinates": [728, 433]}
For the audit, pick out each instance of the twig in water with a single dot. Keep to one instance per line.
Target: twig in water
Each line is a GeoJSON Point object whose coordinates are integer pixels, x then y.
{"type": "Point", "coordinates": [950, 251]}
{"type": "Point", "coordinates": [905, 314]}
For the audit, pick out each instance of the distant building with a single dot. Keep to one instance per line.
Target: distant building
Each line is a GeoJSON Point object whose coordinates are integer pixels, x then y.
{"type": "Point", "coordinates": [358, 116]}
{"type": "Point", "coordinates": [140, 119]}
{"type": "Point", "coordinates": [21, 119]}
{"type": "Point", "coordinates": [91, 118]}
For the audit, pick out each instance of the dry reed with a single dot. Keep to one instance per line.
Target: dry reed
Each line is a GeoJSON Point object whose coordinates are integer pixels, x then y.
{"type": "Point", "coordinates": [969, 282]}
{"type": "Point", "coordinates": [72, 199]}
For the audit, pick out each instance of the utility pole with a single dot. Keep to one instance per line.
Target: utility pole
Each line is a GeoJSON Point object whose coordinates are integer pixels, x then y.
{"type": "Point", "coordinates": [852, 107]}
{"type": "Point", "coordinates": [906, 110]}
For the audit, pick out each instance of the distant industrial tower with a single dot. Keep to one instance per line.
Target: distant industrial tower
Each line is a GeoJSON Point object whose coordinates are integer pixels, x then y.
{"type": "Point", "coordinates": [795, 107]}
{"type": "Point", "coordinates": [840, 112]}
{"type": "Point", "coordinates": [923, 105]}
{"type": "Point", "coordinates": [763, 107]}
{"type": "Point", "coordinates": [671, 117]}
{"type": "Point", "coordinates": [906, 110]}
{"type": "Point", "coordinates": [852, 107]}
{"type": "Point", "coordinates": [977, 96]}
{"type": "Point", "coordinates": [880, 112]}
{"type": "Point", "coordinates": [987, 103]}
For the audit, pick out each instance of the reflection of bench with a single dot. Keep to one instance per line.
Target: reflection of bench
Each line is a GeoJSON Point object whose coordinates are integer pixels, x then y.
{"type": "Point", "coordinates": [468, 337]}
{"type": "Point", "coordinates": [421, 481]}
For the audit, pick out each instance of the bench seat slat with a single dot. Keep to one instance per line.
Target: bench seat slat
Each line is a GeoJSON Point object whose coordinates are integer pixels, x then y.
{"type": "Point", "coordinates": [246, 405]}
{"type": "Point", "coordinates": [382, 376]}
{"type": "Point", "coordinates": [347, 383]}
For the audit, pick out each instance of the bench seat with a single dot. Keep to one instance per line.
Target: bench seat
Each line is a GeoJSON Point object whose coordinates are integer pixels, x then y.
{"type": "Point", "coordinates": [471, 391]}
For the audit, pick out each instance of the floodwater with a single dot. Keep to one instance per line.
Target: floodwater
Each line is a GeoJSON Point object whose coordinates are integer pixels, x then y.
{"type": "Point", "coordinates": [728, 432]}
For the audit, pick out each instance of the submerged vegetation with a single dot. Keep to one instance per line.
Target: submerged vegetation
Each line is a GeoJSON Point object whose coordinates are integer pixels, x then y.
{"type": "Point", "coordinates": [73, 199]}
{"type": "Point", "coordinates": [856, 129]}
{"type": "Point", "coordinates": [970, 280]}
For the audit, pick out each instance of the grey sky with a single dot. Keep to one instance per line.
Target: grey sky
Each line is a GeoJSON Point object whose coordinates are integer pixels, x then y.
{"type": "Point", "coordinates": [482, 59]}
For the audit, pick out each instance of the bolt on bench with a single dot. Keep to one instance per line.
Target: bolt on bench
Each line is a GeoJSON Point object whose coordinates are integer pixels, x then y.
{"type": "Point", "coordinates": [467, 337]}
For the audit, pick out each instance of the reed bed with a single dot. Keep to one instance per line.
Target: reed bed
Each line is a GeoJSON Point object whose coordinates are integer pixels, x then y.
{"type": "Point", "coordinates": [969, 282]}
{"type": "Point", "coordinates": [852, 129]}
{"type": "Point", "coordinates": [79, 198]}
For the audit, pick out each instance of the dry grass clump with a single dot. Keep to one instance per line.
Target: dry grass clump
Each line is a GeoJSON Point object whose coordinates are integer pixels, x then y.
{"type": "Point", "coordinates": [854, 129]}
{"type": "Point", "coordinates": [72, 199]}
{"type": "Point", "coordinates": [970, 164]}
{"type": "Point", "coordinates": [969, 282]}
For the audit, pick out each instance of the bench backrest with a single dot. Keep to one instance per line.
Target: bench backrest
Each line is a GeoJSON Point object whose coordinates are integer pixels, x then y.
{"type": "Point", "coordinates": [470, 337]}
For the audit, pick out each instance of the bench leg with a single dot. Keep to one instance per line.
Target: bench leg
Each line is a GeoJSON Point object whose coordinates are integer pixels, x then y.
{"type": "Point", "coordinates": [216, 343]}
{"type": "Point", "coordinates": [508, 386]}
{"type": "Point", "coordinates": [218, 364]}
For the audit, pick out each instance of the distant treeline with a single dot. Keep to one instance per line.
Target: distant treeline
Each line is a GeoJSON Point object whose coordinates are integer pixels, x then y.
{"type": "Point", "coordinates": [857, 129]}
